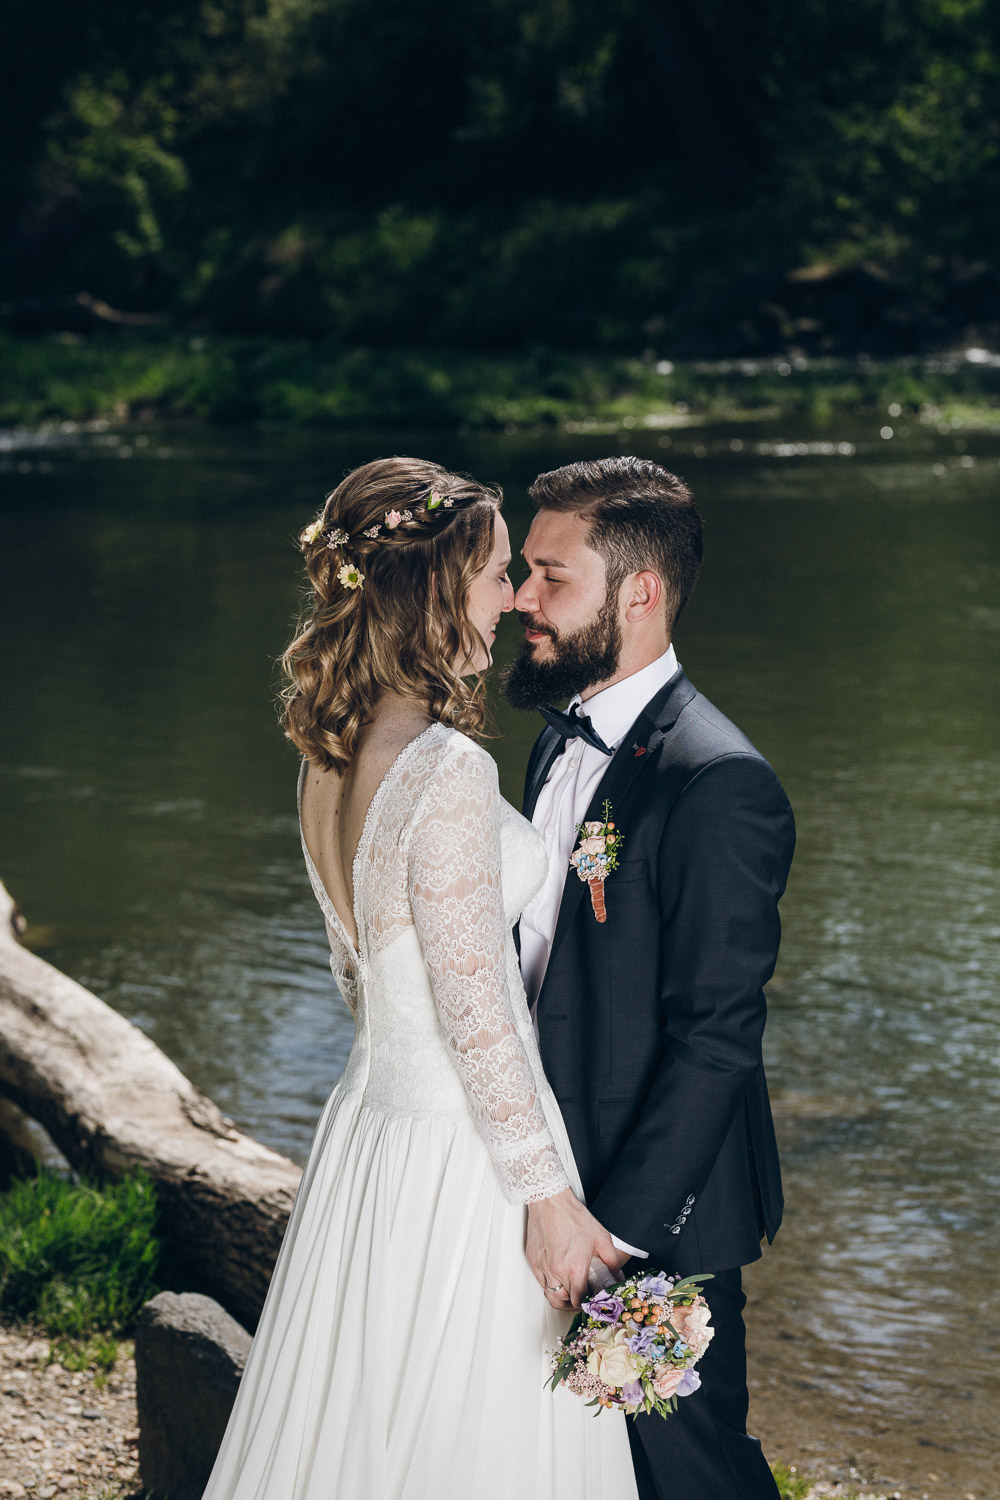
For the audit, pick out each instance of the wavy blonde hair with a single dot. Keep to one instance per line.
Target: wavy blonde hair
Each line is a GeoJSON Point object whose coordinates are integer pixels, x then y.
{"type": "Point", "coordinates": [400, 631]}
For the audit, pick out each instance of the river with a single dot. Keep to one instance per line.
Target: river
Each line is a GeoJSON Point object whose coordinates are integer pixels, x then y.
{"type": "Point", "coordinates": [848, 619]}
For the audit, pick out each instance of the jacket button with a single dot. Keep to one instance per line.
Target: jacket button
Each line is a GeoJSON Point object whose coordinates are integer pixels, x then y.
{"type": "Point", "coordinates": [690, 1200]}
{"type": "Point", "coordinates": [675, 1229]}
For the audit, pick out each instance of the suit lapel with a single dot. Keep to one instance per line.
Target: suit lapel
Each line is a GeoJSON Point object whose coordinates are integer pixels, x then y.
{"type": "Point", "coordinates": [629, 760]}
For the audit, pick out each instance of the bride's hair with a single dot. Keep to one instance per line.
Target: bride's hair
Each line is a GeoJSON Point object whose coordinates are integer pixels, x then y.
{"type": "Point", "coordinates": [417, 536]}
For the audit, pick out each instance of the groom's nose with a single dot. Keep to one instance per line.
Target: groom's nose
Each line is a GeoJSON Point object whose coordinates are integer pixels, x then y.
{"type": "Point", "coordinates": [525, 599]}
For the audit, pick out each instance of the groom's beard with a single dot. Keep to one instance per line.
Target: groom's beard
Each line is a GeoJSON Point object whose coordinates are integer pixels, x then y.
{"type": "Point", "coordinates": [590, 654]}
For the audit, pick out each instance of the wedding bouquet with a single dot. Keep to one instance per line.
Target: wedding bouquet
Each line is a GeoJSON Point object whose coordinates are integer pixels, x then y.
{"type": "Point", "coordinates": [634, 1345]}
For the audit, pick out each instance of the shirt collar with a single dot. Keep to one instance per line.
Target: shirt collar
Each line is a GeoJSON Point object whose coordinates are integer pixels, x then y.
{"type": "Point", "coordinates": [614, 709]}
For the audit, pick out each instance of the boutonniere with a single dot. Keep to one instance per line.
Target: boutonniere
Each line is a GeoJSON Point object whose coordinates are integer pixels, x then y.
{"type": "Point", "coordinates": [596, 857]}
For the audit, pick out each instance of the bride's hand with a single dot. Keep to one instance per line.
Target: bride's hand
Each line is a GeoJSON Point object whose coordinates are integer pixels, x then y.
{"type": "Point", "coordinates": [563, 1238]}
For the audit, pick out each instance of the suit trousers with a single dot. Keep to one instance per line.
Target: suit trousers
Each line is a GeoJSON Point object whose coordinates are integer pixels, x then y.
{"type": "Point", "coordinates": [703, 1451]}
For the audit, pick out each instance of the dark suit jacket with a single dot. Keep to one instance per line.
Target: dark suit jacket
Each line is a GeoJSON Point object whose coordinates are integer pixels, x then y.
{"type": "Point", "coordinates": [650, 1025]}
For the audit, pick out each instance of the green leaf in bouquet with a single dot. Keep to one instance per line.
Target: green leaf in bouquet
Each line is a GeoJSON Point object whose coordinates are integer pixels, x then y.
{"type": "Point", "coordinates": [692, 1283]}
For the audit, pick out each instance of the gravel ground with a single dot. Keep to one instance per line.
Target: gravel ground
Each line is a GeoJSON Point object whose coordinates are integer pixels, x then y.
{"type": "Point", "coordinates": [66, 1434]}
{"type": "Point", "coordinates": [63, 1433]}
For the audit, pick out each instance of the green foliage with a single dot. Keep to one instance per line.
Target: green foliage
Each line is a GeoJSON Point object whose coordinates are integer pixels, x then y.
{"type": "Point", "coordinates": [504, 173]}
{"type": "Point", "coordinates": [295, 383]}
{"type": "Point", "coordinates": [99, 1352]}
{"type": "Point", "coordinates": [78, 1259]}
{"type": "Point", "coordinates": [791, 1484]}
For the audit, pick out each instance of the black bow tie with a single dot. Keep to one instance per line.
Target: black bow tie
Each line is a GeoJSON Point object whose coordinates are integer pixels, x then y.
{"type": "Point", "coordinates": [575, 724]}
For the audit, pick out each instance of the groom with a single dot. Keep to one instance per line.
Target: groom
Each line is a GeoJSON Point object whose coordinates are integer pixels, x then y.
{"type": "Point", "coordinates": [650, 1023]}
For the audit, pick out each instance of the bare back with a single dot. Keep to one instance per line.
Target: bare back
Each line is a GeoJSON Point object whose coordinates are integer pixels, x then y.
{"type": "Point", "coordinates": [334, 806]}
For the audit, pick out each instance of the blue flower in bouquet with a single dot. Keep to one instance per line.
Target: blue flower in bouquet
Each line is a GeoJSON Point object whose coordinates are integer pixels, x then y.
{"type": "Point", "coordinates": [655, 1286]}
{"type": "Point", "coordinates": [680, 1349]}
{"type": "Point", "coordinates": [643, 1342]}
{"type": "Point", "coordinates": [604, 1308]}
{"type": "Point", "coordinates": [689, 1383]}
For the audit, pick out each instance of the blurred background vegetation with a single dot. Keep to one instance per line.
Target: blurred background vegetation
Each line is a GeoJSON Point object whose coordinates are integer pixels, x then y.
{"type": "Point", "coordinates": [711, 179]}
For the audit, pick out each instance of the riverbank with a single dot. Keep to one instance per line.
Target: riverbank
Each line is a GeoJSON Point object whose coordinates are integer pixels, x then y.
{"type": "Point", "coordinates": [75, 1433]}
{"type": "Point", "coordinates": [137, 376]}
{"type": "Point", "coordinates": [68, 1415]}
{"type": "Point", "coordinates": [64, 1432]}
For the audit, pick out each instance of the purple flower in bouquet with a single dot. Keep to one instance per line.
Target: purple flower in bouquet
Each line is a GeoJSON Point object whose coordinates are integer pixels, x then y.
{"type": "Point", "coordinates": [689, 1383]}
{"type": "Point", "coordinates": [632, 1394]}
{"type": "Point", "coordinates": [604, 1308]}
{"type": "Point", "coordinates": [655, 1286]}
{"type": "Point", "coordinates": [643, 1342]}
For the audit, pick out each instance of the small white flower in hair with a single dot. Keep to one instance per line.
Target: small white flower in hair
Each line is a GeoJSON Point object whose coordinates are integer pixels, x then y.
{"type": "Point", "coordinates": [350, 577]}
{"type": "Point", "coordinates": [336, 538]}
{"type": "Point", "coordinates": [311, 532]}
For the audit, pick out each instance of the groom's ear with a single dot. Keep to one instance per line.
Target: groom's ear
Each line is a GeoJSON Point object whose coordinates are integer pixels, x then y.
{"type": "Point", "coordinates": [642, 595]}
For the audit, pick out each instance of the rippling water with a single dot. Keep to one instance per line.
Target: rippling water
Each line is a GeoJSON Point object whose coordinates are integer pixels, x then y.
{"type": "Point", "coordinates": [848, 619]}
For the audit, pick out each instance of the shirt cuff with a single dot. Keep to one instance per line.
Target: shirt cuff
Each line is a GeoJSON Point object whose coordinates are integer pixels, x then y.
{"type": "Point", "coordinates": [628, 1249]}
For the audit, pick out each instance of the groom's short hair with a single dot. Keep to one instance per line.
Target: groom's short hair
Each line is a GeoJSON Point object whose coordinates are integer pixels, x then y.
{"type": "Point", "coordinates": [640, 516]}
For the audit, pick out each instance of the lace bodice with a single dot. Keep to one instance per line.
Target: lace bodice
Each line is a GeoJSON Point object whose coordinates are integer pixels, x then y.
{"type": "Point", "coordinates": [442, 871]}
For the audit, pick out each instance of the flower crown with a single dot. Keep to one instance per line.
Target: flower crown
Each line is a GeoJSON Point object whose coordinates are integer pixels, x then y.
{"type": "Point", "coordinates": [336, 538]}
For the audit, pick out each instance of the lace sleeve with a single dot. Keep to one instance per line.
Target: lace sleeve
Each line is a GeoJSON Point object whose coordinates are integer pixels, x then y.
{"type": "Point", "coordinates": [453, 851]}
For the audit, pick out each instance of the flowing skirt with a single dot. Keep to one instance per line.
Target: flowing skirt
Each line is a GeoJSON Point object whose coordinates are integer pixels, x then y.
{"type": "Point", "coordinates": [402, 1353]}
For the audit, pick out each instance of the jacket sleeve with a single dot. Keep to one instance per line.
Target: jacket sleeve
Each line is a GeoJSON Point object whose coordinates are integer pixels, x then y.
{"type": "Point", "coordinates": [722, 866]}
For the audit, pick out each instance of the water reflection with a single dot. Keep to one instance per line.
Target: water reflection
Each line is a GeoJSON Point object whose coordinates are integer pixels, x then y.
{"type": "Point", "coordinates": [847, 619]}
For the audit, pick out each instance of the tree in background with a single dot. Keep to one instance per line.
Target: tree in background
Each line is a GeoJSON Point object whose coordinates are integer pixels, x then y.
{"type": "Point", "coordinates": [710, 177]}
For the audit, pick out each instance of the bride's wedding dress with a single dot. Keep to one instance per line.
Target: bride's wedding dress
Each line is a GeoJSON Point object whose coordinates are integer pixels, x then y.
{"type": "Point", "coordinates": [402, 1353]}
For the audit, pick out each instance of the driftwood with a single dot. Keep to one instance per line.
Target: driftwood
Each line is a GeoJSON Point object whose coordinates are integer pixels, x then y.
{"type": "Point", "coordinates": [112, 1101]}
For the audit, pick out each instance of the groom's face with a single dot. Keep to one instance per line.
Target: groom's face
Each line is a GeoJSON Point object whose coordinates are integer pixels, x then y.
{"type": "Point", "coordinates": [572, 633]}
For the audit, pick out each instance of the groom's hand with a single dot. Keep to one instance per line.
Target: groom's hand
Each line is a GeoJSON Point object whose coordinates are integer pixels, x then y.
{"type": "Point", "coordinates": [563, 1238]}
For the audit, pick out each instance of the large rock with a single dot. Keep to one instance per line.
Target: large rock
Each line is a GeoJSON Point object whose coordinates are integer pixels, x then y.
{"type": "Point", "coordinates": [189, 1357]}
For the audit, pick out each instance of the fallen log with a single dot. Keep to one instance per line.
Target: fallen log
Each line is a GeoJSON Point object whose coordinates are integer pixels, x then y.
{"type": "Point", "coordinates": [112, 1102]}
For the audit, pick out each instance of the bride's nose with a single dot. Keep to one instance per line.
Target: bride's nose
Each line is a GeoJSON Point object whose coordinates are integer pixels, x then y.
{"type": "Point", "coordinates": [508, 597]}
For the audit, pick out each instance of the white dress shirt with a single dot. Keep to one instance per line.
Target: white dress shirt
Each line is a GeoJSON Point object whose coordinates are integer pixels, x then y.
{"type": "Point", "coordinates": [561, 805]}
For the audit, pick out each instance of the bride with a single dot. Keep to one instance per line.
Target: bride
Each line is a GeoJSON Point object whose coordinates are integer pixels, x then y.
{"type": "Point", "coordinates": [402, 1352]}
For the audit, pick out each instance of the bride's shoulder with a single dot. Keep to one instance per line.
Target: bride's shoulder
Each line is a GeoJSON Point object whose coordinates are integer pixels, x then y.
{"type": "Point", "coordinates": [450, 759]}
{"type": "Point", "coordinates": [451, 747]}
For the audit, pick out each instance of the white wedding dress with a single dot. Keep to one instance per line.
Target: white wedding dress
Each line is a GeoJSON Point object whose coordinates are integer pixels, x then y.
{"type": "Point", "coordinates": [402, 1353]}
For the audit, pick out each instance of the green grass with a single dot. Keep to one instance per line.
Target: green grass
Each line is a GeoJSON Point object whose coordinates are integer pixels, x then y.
{"type": "Point", "coordinates": [78, 1261]}
{"type": "Point", "coordinates": [129, 376]}
{"type": "Point", "coordinates": [791, 1484]}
